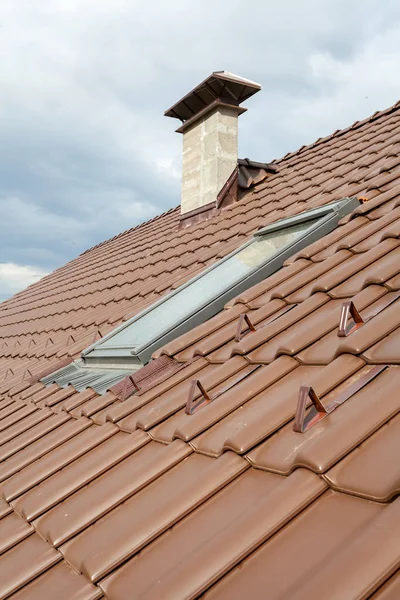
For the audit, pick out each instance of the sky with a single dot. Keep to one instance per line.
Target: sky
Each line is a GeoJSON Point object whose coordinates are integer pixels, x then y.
{"type": "Point", "coordinates": [85, 151]}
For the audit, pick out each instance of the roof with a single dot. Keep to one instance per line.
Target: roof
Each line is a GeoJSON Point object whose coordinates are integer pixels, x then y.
{"type": "Point", "coordinates": [103, 497]}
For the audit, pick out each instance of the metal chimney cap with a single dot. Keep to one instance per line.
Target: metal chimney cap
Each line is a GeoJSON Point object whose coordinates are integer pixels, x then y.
{"type": "Point", "coordinates": [219, 86]}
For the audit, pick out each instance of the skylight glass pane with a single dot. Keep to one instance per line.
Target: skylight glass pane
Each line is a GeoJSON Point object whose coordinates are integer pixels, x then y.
{"type": "Point", "coordinates": [201, 291]}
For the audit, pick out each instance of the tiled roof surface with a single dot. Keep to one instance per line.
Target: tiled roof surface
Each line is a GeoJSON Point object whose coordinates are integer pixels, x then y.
{"type": "Point", "coordinates": [80, 302]}
{"type": "Point", "coordinates": [138, 499]}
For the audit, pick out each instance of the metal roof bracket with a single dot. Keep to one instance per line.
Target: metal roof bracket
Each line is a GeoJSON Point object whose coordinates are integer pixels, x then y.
{"type": "Point", "coordinates": [318, 411]}
{"type": "Point", "coordinates": [301, 422]}
{"type": "Point", "coordinates": [241, 329]}
{"type": "Point", "coordinates": [349, 309]}
{"type": "Point", "coordinates": [191, 404]}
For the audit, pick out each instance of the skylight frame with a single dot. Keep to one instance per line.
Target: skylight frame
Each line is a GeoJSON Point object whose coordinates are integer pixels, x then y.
{"type": "Point", "coordinates": [329, 214]}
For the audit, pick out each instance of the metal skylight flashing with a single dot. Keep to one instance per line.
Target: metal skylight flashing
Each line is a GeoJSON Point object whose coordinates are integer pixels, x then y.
{"type": "Point", "coordinates": [202, 297]}
{"type": "Point", "coordinates": [340, 207]}
{"type": "Point", "coordinates": [82, 376]}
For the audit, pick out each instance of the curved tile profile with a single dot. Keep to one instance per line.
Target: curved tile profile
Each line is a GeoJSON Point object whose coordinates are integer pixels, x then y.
{"type": "Point", "coordinates": [150, 516]}
{"type": "Point", "coordinates": [214, 378]}
{"type": "Point", "coordinates": [271, 330]}
{"type": "Point", "coordinates": [373, 469]}
{"type": "Point", "coordinates": [271, 409]}
{"type": "Point", "coordinates": [25, 561]}
{"type": "Point", "coordinates": [186, 427]}
{"type": "Point", "coordinates": [42, 446]}
{"type": "Point", "coordinates": [389, 590]}
{"type": "Point", "coordinates": [358, 569]}
{"type": "Point", "coordinates": [109, 490]}
{"type": "Point", "coordinates": [285, 567]}
{"type": "Point", "coordinates": [300, 334]}
{"type": "Point", "coordinates": [13, 529]}
{"type": "Point", "coordinates": [109, 542]}
{"type": "Point", "coordinates": [385, 351]}
{"type": "Point", "coordinates": [383, 266]}
{"type": "Point", "coordinates": [29, 472]}
{"type": "Point", "coordinates": [218, 346]}
{"type": "Point", "coordinates": [329, 440]}
{"type": "Point", "coordinates": [59, 582]}
{"type": "Point", "coordinates": [225, 530]}
{"type": "Point", "coordinates": [369, 302]}
{"type": "Point", "coordinates": [5, 508]}
{"type": "Point", "coordinates": [78, 474]}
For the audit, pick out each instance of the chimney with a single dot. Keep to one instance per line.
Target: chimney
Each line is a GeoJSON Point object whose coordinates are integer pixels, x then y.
{"type": "Point", "coordinates": [209, 115]}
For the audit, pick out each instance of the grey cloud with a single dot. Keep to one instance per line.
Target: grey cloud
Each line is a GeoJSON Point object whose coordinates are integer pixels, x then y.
{"type": "Point", "coordinates": [86, 151]}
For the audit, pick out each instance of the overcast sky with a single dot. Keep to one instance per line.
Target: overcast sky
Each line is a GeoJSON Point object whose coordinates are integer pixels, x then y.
{"type": "Point", "coordinates": [85, 151]}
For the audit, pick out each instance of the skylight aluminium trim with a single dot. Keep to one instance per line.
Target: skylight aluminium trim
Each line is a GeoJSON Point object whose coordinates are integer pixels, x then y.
{"type": "Point", "coordinates": [82, 376]}
{"type": "Point", "coordinates": [191, 304]}
{"type": "Point", "coordinates": [313, 213]}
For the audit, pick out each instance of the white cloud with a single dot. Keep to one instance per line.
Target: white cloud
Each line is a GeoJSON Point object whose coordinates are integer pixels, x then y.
{"type": "Point", "coordinates": [14, 278]}
{"type": "Point", "coordinates": [347, 89]}
{"type": "Point", "coordinates": [352, 89]}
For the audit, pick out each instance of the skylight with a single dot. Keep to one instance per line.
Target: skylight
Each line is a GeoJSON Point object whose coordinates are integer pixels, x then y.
{"type": "Point", "coordinates": [206, 294]}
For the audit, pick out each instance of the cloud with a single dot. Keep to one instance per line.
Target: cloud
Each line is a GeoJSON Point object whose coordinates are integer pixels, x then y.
{"type": "Point", "coordinates": [86, 152]}
{"type": "Point", "coordinates": [14, 278]}
{"type": "Point", "coordinates": [351, 90]}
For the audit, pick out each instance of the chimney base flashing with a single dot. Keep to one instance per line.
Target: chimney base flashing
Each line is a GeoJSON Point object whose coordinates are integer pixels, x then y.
{"type": "Point", "coordinates": [203, 213]}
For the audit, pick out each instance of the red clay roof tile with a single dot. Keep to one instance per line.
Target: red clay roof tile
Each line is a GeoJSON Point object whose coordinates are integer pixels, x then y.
{"type": "Point", "coordinates": [226, 529]}
{"type": "Point", "coordinates": [59, 582]}
{"type": "Point", "coordinates": [25, 561]}
{"type": "Point", "coordinates": [331, 439]}
{"type": "Point", "coordinates": [390, 590]}
{"type": "Point", "coordinates": [371, 470]}
{"type": "Point", "coordinates": [193, 496]}
{"type": "Point", "coordinates": [284, 567]}
{"type": "Point", "coordinates": [36, 470]}
{"type": "Point", "coordinates": [78, 474]}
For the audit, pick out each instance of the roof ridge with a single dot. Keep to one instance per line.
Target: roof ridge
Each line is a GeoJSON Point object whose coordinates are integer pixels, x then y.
{"type": "Point", "coordinates": [119, 235]}
{"type": "Point", "coordinates": [338, 133]}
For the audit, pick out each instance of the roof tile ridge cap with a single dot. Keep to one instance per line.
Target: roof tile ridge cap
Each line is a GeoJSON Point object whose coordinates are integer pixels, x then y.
{"type": "Point", "coordinates": [339, 132]}
{"type": "Point", "coordinates": [119, 235]}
